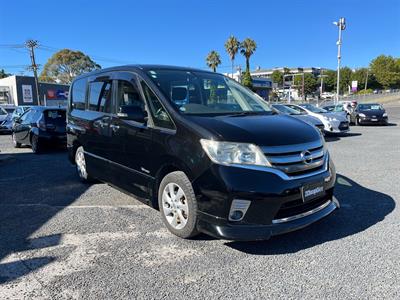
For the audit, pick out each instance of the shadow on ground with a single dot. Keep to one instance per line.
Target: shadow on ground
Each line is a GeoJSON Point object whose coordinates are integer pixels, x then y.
{"type": "Point", "coordinates": [337, 137]}
{"type": "Point", "coordinates": [33, 188]}
{"type": "Point", "coordinates": [360, 209]}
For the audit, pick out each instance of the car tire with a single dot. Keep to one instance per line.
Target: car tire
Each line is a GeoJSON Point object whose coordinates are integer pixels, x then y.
{"type": "Point", "coordinates": [357, 122]}
{"type": "Point", "coordinates": [35, 145]}
{"type": "Point", "coordinates": [178, 214]}
{"type": "Point", "coordinates": [15, 143]}
{"type": "Point", "coordinates": [80, 163]}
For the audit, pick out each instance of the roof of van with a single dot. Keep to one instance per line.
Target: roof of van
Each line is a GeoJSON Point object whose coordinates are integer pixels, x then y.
{"type": "Point", "coordinates": [141, 68]}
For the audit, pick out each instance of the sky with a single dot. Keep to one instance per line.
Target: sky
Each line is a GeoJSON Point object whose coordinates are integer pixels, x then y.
{"type": "Point", "coordinates": [290, 33]}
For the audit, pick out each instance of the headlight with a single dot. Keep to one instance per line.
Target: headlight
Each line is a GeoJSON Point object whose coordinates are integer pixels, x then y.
{"type": "Point", "coordinates": [362, 115]}
{"type": "Point", "coordinates": [384, 115]}
{"type": "Point", "coordinates": [227, 153]}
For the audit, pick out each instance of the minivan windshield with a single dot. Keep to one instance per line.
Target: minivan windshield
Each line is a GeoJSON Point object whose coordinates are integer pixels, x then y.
{"type": "Point", "coordinates": [204, 93]}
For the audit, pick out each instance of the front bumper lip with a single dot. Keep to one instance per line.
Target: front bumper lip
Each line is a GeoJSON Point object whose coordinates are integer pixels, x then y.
{"type": "Point", "coordinates": [264, 232]}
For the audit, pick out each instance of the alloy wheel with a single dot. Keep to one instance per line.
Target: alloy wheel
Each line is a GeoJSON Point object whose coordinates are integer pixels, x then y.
{"type": "Point", "coordinates": [175, 206]}
{"type": "Point", "coordinates": [81, 164]}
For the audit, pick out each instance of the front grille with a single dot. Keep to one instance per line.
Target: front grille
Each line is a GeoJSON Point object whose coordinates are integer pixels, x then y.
{"type": "Point", "coordinates": [298, 159]}
{"type": "Point", "coordinates": [343, 125]}
{"type": "Point", "coordinates": [296, 207]}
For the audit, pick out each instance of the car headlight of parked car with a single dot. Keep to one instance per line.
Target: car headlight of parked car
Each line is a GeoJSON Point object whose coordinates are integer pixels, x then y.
{"type": "Point", "coordinates": [384, 115]}
{"type": "Point", "coordinates": [361, 115]}
{"type": "Point", "coordinates": [227, 153]}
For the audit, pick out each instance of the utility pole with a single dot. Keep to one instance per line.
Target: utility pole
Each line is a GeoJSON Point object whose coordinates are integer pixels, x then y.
{"type": "Point", "coordinates": [366, 80]}
{"type": "Point", "coordinates": [239, 68]}
{"type": "Point", "coordinates": [31, 45]}
{"type": "Point", "coordinates": [342, 26]}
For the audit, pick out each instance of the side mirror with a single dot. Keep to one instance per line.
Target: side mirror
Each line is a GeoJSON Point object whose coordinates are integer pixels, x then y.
{"type": "Point", "coordinates": [134, 113]}
{"type": "Point", "coordinates": [17, 120]}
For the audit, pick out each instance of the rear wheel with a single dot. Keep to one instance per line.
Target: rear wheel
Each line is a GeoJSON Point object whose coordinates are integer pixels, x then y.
{"type": "Point", "coordinates": [81, 165]}
{"type": "Point", "coordinates": [178, 205]}
{"type": "Point", "coordinates": [15, 143]}
{"type": "Point", "coordinates": [36, 147]}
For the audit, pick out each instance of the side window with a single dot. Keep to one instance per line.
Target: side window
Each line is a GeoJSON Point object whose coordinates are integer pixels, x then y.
{"type": "Point", "coordinates": [100, 96]}
{"type": "Point", "coordinates": [157, 110]}
{"type": "Point", "coordinates": [128, 95]}
{"type": "Point", "coordinates": [27, 117]}
{"type": "Point", "coordinates": [78, 94]}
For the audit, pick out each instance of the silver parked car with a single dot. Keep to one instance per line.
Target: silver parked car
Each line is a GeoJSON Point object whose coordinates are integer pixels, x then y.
{"type": "Point", "coordinates": [283, 109]}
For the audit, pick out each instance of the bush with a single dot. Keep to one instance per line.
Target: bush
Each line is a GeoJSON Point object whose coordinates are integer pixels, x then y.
{"type": "Point", "coordinates": [367, 91]}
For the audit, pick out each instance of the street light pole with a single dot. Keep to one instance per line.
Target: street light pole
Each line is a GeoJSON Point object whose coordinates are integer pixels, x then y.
{"type": "Point", "coordinates": [341, 25]}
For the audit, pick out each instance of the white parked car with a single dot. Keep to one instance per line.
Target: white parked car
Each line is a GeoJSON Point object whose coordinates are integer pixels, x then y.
{"type": "Point", "coordinates": [333, 122]}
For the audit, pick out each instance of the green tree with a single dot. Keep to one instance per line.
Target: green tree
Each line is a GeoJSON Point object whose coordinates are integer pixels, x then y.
{"type": "Point", "coordinates": [386, 70]}
{"type": "Point", "coordinates": [310, 84]}
{"type": "Point", "coordinates": [277, 77]}
{"type": "Point", "coordinates": [3, 74]}
{"type": "Point", "coordinates": [247, 80]}
{"type": "Point", "coordinates": [65, 65]}
{"type": "Point", "coordinates": [345, 79]}
{"type": "Point", "coordinates": [329, 80]}
{"type": "Point", "coordinates": [360, 75]}
{"type": "Point", "coordinates": [247, 49]}
{"type": "Point", "coordinates": [232, 48]}
{"type": "Point", "coordinates": [213, 60]}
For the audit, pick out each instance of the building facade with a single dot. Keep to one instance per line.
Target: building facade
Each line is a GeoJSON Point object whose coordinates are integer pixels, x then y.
{"type": "Point", "coordinates": [21, 90]}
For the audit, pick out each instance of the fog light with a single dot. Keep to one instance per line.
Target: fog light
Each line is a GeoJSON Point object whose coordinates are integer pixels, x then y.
{"type": "Point", "coordinates": [238, 209]}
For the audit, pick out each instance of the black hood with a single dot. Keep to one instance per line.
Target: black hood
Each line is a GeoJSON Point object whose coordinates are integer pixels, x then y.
{"type": "Point", "coordinates": [372, 112]}
{"type": "Point", "coordinates": [266, 130]}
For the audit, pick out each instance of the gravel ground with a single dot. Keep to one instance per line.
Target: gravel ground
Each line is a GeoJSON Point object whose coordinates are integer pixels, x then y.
{"type": "Point", "coordinates": [61, 239]}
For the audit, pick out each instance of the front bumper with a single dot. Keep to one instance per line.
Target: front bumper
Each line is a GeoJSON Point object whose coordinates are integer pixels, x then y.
{"type": "Point", "coordinates": [276, 203]}
{"type": "Point", "coordinates": [264, 232]}
{"type": "Point", "coordinates": [337, 127]}
{"type": "Point", "coordinates": [368, 120]}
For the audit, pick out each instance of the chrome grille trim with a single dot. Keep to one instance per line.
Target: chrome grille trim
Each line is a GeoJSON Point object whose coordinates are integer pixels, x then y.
{"type": "Point", "coordinates": [291, 160]}
{"type": "Point", "coordinates": [302, 215]}
{"type": "Point", "coordinates": [282, 174]}
{"type": "Point", "coordinates": [291, 148]}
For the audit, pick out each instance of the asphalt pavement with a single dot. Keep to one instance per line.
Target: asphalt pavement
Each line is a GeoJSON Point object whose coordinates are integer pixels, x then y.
{"type": "Point", "coordinates": [62, 239]}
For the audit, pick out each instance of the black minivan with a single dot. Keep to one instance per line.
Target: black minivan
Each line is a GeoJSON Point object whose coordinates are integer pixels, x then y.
{"type": "Point", "coordinates": [206, 151]}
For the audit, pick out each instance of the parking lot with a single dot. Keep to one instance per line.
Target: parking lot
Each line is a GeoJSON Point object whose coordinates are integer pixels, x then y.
{"type": "Point", "coordinates": [63, 239]}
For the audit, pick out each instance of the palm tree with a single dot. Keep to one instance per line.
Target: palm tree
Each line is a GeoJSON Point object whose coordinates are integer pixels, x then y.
{"type": "Point", "coordinates": [247, 48]}
{"type": "Point", "coordinates": [213, 60]}
{"type": "Point", "coordinates": [232, 47]}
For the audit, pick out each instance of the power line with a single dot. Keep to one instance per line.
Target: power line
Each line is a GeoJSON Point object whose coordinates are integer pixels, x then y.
{"type": "Point", "coordinates": [95, 57]}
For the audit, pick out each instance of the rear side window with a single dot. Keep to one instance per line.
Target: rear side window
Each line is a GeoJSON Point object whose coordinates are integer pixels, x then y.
{"type": "Point", "coordinates": [79, 94]}
{"type": "Point", "coordinates": [55, 117]}
{"type": "Point", "coordinates": [100, 96]}
{"type": "Point", "coordinates": [158, 112]}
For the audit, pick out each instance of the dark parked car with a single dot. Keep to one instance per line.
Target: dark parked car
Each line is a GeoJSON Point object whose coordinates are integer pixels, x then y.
{"type": "Point", "coordinates": [211, 155]}
{"type": "Point", "coordinates": [19, 111]}
{"type": "Point", "coordinates": [6, 124]}
{"type": "Point", "coordinates": [40, 126]}
{"type": "Point", "coordinates": [369, 113]}
{"type": "Point", "coordinates": [283, 109]}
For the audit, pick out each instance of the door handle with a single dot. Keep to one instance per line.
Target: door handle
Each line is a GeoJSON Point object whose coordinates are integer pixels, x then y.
{"type": "Point", "coordinates": [114, 127]}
